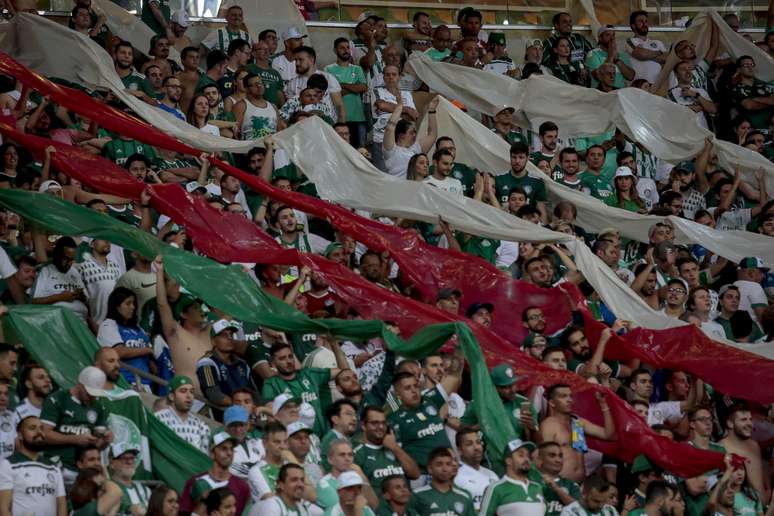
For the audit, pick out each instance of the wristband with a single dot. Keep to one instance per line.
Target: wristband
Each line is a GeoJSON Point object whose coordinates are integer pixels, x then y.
{"type": "Point", "coordinates": [432, 112]}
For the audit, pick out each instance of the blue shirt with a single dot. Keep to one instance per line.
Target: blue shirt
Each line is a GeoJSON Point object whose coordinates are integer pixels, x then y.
{"type": "Point", "coordinates": [211, 371]}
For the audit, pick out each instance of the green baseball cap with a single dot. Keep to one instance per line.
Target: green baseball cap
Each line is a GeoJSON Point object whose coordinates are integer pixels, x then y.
{"type": "Point", "coordinates": [200, 488]}
{"type": "Point", "coordinates": [641, 464]}
{"type": "Point", "coordinates": [516, 445]}
{"type": "Point", "coordinates": [332, 247]}
{"type": "Point", "coordinates": [496, 38]}
{"type": "Point", "coordinates": [184, 303]}
{"type": "Point", "coordinates": [752, 262]}
{"type": "Point", "coordinates": [177, 382]}
{"type": "Point", "coordinates": [503, 375]}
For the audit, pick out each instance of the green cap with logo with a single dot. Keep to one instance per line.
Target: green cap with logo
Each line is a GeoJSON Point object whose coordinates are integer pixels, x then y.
{"type": "Point", "coordinates": [178, 381]}
{"type": "Point", "coordinates": [518, 444]}
{"type": "Point", "coordinates": [222, 325]}
{"type": "Point", "coordinates": [752, 262]}
{"type": "Point", "coordinates": [332, 247]}
{"type": "Point", "coordinates": [496, 38]}
{"type": "Point", "coordinates": [503, 375]}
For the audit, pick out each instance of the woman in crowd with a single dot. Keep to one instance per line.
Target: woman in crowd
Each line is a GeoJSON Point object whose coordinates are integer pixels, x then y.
{"type": "Point", "coordinates": [384, 103]}
{"type": "Point", "coordinates": [199, 115]}
{"type": "Point", "coordinates": [418, 167]}
{"type": "Point", "coordinates": [561, 66]}
{"type": "Point", "coordinates": [9, 162]}
{"type": "Point", "coordinates": [163, 502]}
{"type": "Point", "coordinates": [239, 94]}
{"type": "Point", "coordinates": [626, 196]}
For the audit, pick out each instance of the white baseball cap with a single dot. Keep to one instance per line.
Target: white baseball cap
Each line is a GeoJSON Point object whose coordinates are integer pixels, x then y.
{"type": "Point", "coordinates": [119, 448]}
{"type": "Point", "coordinates": [292, 33]}
{"type": "Point", "coordinates": [624, 172]}
{"type": "Point", "coordinates": [298, 426]}
{"type": "Point", "coordinates": [45, 186]}
{"type": "Point", "coordinates": [280, 401]}
{"type": "Point", "coordinates": [349, 479]}
{"type": "Point", "coordinates": [181, 18]}
{"type": "Point", "coordinates": [93, 380]}
{"type": "Point", "coordinates": [192, 186]}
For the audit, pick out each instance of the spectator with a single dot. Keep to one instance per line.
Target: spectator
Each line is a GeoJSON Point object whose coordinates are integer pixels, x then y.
{"type": "Point", "coordinates": [441, 47]}
{"type": "Point", "coordinates": [648, 55]}
{"type": "Point", "coordinates": [306, 67]}
{"type": "Point", "coordinates": [221, 38]}
{"type": "Point", "coordinates": [607, 52]}
{"type": "Point", "coordinates": [515, 487]}
{"type": "Point", "coordinates": [262, 477]}
{"type": "Point", "coordinates": [60, 283]}
{"type": "Point", "coordinates": [752, 98]}
{"type": "Point", "coordinates": [123, 465]}
{"type": "Point", "coordinates": [220, 372]}
{"type": "Point", "coordinates": [273, 82]}
{"type": "Point", "coordinates": [255, 116]}
{"type": "Point", "coordinates": [285, 63]}
{"type": "Point", "coordinates": [178, 417]}
{"type": "Point", "coordinates": [353, 85]}
{"type": "Point", "coordinates": [420, 39]}
{"type": "Point", "coordinates": [579, 46]}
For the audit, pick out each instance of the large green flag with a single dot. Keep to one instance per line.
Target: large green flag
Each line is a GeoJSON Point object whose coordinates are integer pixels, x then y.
{"type": "Point", "coordinates": [229, 289]}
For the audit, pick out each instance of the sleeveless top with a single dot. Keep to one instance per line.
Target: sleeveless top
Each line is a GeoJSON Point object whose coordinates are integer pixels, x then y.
{"type": "Point", "coordinates": [258, 121]}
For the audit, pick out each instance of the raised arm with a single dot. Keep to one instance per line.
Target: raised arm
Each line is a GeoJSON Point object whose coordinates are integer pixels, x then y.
{"type": "Point", "coordinates": [168, 323]}
{"type": "Point", "coordinates": [428, 140]}
{"type": "Point", "coordinates": [608, 431]}
{"type": "Point", "coordinates": [389, 132]}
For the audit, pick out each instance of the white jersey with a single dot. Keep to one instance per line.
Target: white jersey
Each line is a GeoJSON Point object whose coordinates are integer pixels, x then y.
{"type": "Point", "coordinates": [7, 433]}
{"type": "Point", "coordinates": [25, 409]}
{"type": "Point", "coordinates": [193, 429]}
{"type": "Point", "coordinates": [447, 184]}
{"type": "Point", "coordinates": [51, 281]}
{"type": "Point", "coordinates": [474, 481]}
{"type": "Point", "coordinates": [576, 509]}
{"type": "Point", "coordinates": [285, 67]}
{"type": "Point", "coordinates": [647, 70]}
{"type": "Point", "coordinates": [7, 268]}
{"type": "Point", "coordinates": [275, 506]}
{"type": "Point", "coordinates": [99, 282]}
{"type": "Point", "coordinates": [36, 484]}
{"type": "Point", "coordinates": [659, 413]}
{"type": "Point", "coordinates": [246, 455]}
{"type": "Point", "coordinates": [751, 296]}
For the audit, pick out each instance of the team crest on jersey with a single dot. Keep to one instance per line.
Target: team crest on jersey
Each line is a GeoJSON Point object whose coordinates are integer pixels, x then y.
{"type": "Point", "coordinates": [516, 413]}
{"type": "Point", "coordinates": [5, 426]}
{"type": "Point", "coordinates": [389, 455]}
{"type": "Point", "coordinates": [431, 410]}
{"type": "Point", "coordinates": [528, 189]}
{"type": "Point", "coordinates": [50, 477]}
{"type": "Point", "coordinates": [459, 507]}
{"type": "Point", "coordinates": [306, 383]}
{"type": "Point", "coordinates": [91, 417]}
{"type": "Point", "coordinates": [420, 416]}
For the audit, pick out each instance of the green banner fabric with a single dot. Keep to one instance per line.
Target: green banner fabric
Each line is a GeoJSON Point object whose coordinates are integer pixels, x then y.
{"type": "Point", "coordinates": [63, 344]}
{"type": "Point", "coordinates": [229, 289]}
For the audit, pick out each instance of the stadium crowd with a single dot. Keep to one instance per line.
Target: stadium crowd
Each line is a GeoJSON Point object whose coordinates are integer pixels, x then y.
{"type": "Point", "coordinates": [305, 424]}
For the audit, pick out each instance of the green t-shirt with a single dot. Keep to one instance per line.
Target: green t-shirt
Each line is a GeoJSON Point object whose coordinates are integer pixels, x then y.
{"type": "Point", "coordinates": [430, 501]}
{"type": "Point", "coordinates": [512, 408]}
{"type": "Point", "coordinates": [133, 81]}
{"type": "Point", "coordinates": [759, 118]}
{"type": "Point", "coordinates": [303, 344]}
{"type": "Point", "coordinates": [509, 496]}
{"type": "Point", "coordinates": [534, 187]}
{"type": "Point", "coordinates": [554, 504]}
{"type": "Point", "coordinates": [377, 463]}
{"type": "Point", "coordinates": [353, 102]}
{"type": "Point", "coordinates": [119, 149]}
{"type": "Point", "coordinates": [272, 82]}
{"type": "Point", "coordinates": [608, 169]}
{"type": "Point", "coordinates": [628, 205]}
{"type": "Point", "coordinates": [599, 185]}
{"type": "Point", "coordinates": [419, 431]}
{"type": "Point", "coordinates": [135, 494]}
{"type": "Point", "coordinates": [594, 60]}
{"type": "Point", "coordinates": [68, 416]}
{"type": "Point", "coordinates": [482, 247]}
{"type": "Point", "coordinates": [437, 55]}
{"type": "Point", "coordinates": [150, 20]}
{"type": "Point", "coordinates": [311, 385]}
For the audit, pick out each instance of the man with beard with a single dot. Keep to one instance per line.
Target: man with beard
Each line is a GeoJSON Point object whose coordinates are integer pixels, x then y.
{"type": "Point", "coordinates": [557, 491]}
{"type": "Point", "coordinates": [607, 52]}
{"type": "Point", "coordinates": [535, 188]}
{"type": "Point", "coordinates": [579, 45]}
{"type": "Point", "coordinates": [289, 497]}
{"type": "Point", "coordinates": [661, 498]}
{"type": "Point", "coordinates": [644, 284]}
{"type": "Point", "coordinates": [99, 275]}
{"type": "Point", "coordinates": [441, 177]}
{"type": "Point", "coordinates": [177, 416]}
{"type": "Point", "coordinates": [353, 84]}
{"type": "Point", "coordinates": [471, 475]}
{"type": "Point", "coordinates": [123, 465]}
{"type": "Point", "coordinates": [291, 234]}
{"type": "Point", "coordinates": [170, 102]}
{"type": "Point", "coordinates": [548, 134]}
{"type": "Point", "coordinates": [587, 363]}
{"type": "Point", "coordinates": [309, 384]}
{"type": "Point", "coordinates": [648, 55]}
{"type": "Point", "coordinates": [480, 313]}
{"type": "Point", "coordinates": [570, 431]}
{"type": "Point", "coordinates": [123, 60]}
{"type": "Point", "coordinates": [596, 494]}
{"type": "Point", "coordinates": [37, 384]}
{"type": "Point", "coordinates": [569, 163]}
{"type": "Point", "coordinates": [152, 83]}
{"type": "Point", "coordinates": [306, 66]}
{"type": "Point", "coordinates": [30, 483]}
{"type": "Point", "coordinates": [420, 39]}
{"type": "Point", "coordinates": [60, 283]}
{"type": "Point", "coordinates": [72, 416]}
{"type": "Point", "coordinates": [320, 297]}
{"type": "Point", "coordinates": [521, 413]}
{"type": "Point", "coordinates": [380, 455]}
{"type": "Point", "coordinates": [515, 493]}
{"type": "Point", "coordinates": [738, 440]}
{"type": "Point", "coordinates": [537, 272]}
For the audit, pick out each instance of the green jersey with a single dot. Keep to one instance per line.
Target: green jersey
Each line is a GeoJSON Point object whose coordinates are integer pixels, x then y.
{"type": "Point", "coordinates": [579, 46]}
{"type": "Point", "coordinates": [513, 137]}
{"type": "Point", "coordinates": [353, 102]}
{"type": "Point", "coordinates": [535, 188]}
{"type": "Point", "coordinates": [512, 408]}
{"type": "Point", "coordinates": [134, 81]}
{"type": "Point", "coordinates": [150, 20]}
{"type": "Point", "coordinates": [377, 463]}
{"type": "Point", "coordinates": [311, 385]}
{"type": "Point", "coordinates": [272, 82]}
{"type": "Point", "coordinates": [482, 247]}
{"type": "Point", "coordinates": [420, 430]}
{"type": "Point", "coordinates": [429, 501]}
{"type": "Point", "coordinates": [68, 416]}
{"type": "Point", "coordinates": [510, 497]}
{"type": "Point", "coordinates": [759, 118]}
{"type": "Point", "coordinates": [118, 150]}
{"type": "Point", "coordinates": [263, 479]}
{"type": "Point", "coordinates": [610, 165]}
{"type": "Point", "coordinates": [599, 185]}
{"type": "Point", "coordinates": [325, 443]}
{"type": "Point", "coordinates": [554, 505]}
{"type": "Point", "coordinates": [303, 344]}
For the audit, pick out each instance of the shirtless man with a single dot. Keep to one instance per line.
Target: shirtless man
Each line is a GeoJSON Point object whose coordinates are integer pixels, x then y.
{"type": "Point", "coordinates": [739, 440]}
{"type": "Point", "coordinates": [561, 424]}
{"type": "Point", "coordinates": [189, 77]}
{"type": "Point", "coordinates": [189, 339]}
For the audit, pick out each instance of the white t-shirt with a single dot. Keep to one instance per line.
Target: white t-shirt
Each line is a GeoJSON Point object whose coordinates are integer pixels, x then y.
{"type": "Point", "coordinates": [143, 284]}
{"type": "Point", "coordinates": [51, 282]}
{"type": "Point", "coordinates": [100, 282]}
{"type": "Point", "coordinates": [732, 219]}
{"type": "Point", "coordinates": [396, 160]}
{"type": "Point", "coordinates": [447, 184]}
{"type": "Point", "coordinates": [507, 253]}
{"type": "Point", "coordinates": [210, 129]}
{"type": "Point", "coordinates": [259, 486]}
{"type": "Point", "coordinates": [7, 432]}
{"type": "Point", "coordinates": [676, 94]}
{"type": "Point", "coordinates": [36, 485]}
{"type": "Point", "coordinates": [274, 506]}
{"type": "Point", "coordinates": [382, 117]}
{"type": "Point", "coordinates": [660, 412]}
{"type": "Point", "coordinates": [713, 330]}
{"type": "Point", "coordinates": [474, 481]}
{"type": "Point", "coordinates": [647, 70]}
{"type": "Point", "coordinates": [286, 68]}
{"type": "Point", "coordinates": [751, 295]}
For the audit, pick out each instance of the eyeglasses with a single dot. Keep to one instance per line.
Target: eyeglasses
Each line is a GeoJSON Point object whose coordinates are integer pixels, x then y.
{"type": "Point", "coordinates": [536, 317]}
